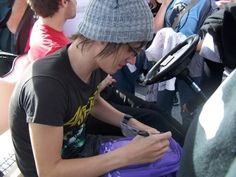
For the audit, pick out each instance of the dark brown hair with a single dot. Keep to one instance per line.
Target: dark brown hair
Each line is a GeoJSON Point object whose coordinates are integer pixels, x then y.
{"type": "Point", "coordinates": [109, 49]}
{"type": "Point", "coordinates": [45, 8]}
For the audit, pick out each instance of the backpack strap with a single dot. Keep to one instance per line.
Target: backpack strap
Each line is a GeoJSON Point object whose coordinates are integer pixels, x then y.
{"type": "Point", "coordinates": [183, 12]}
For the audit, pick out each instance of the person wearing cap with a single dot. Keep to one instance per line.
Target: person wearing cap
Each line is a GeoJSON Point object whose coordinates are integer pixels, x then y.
{"type": "Point", "coordinates": [126, 102]}
{"type": "Point", "coordinates": [51, 102]}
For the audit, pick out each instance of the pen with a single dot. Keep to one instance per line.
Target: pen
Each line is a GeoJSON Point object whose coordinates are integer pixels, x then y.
{"type": "Point", "coordinates": [145, 133]}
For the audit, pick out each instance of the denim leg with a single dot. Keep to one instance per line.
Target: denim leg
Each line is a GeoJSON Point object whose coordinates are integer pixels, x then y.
{"type": "Point", "coordinates": [165, 100]}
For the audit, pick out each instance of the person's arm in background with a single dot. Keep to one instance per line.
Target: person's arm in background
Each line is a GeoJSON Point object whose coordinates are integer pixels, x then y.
{"type": "Point", "coordinates": [18, 10]}
{"type": "Point", "coordinates": [105, 83]}
{"type": "Point", "coordinates": [222, 3]}
{"type": "Point", "coordinates": [160, 16]}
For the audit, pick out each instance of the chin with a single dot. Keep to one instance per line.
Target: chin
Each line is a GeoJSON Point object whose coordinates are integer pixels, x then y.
{"type": "Point", "coordinates": [109, 71]}
{"type": "Point", "coordinates": [112, 72]}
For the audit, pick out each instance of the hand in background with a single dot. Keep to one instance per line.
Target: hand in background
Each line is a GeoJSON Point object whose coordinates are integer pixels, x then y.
{"type": "Point", "coordinates": [106, 82]}
{"type": "Point", "coordinates": [222, 3]}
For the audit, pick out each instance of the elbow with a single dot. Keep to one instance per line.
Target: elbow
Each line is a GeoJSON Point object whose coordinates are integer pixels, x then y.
{"type": "Point", "coordinates": [49, 170]}
{"type": "Point", "coordinates": [48, 173]}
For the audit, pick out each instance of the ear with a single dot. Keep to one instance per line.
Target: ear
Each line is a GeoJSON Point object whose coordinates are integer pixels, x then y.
{"type": "Point", "coordinates": [64, 2]}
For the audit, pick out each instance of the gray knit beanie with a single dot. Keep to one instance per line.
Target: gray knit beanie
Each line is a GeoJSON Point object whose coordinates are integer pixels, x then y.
{"type": "Point", "coordinates": [117, 21]}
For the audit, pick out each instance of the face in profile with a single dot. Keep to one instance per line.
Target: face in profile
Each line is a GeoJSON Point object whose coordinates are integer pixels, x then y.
{"type": "Point", "coordinates": [71, 9]}
{"type": "Point", "coordinates": [127, 53]}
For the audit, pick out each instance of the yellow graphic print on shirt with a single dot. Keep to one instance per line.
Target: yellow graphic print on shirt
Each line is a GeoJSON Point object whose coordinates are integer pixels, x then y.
{"type": "Point", "coordinates": [74, 139]}
{"type": "Point", "coordinates": [81, 113]}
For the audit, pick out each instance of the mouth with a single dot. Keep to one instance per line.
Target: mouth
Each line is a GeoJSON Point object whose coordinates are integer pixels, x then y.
{"type": "Point", "coordinates": [120, 66]}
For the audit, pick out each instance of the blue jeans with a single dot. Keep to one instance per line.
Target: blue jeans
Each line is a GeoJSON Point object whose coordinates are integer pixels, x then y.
{"type": "Point", "coordinates": [126, 80]}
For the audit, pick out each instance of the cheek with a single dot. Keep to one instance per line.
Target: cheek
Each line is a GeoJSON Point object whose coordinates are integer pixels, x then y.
{"type": "Point", "coordinates": [109, 65]}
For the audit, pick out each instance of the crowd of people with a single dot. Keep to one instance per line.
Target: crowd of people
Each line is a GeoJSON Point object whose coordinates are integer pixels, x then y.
{"type": "Point", "coordinates": [66, 101]}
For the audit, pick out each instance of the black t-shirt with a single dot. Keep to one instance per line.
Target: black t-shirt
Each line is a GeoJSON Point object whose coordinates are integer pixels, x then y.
{"type": "Point", "coordinates": [51, 93]}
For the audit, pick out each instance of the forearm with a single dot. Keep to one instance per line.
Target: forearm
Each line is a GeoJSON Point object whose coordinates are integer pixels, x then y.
{"type": "Point", "coordinates": [105, 112]}
{"type": "Point", "coordinates": [160, 17]}
{"type": "Point", "coordinates": [88, 167]}
{"type": "Point", "coordinates": [47, 142]}
{"type": "Point", "coordinates": [18, 10]}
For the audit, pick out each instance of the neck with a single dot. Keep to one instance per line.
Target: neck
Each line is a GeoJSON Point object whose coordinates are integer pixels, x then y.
{"type": "Point", "coordinates": [83, 63]}
{"type": "Point", "coordinates": [56, 21]}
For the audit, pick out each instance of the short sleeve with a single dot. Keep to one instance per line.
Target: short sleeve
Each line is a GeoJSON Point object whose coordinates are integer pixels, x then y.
{"type": "Point", "coordinates": [45, 101]}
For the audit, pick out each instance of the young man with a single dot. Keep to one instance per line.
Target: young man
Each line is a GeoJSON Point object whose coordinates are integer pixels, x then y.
{"type": "Point", "coordinates": [47, 34]}
{"type": "Point", "coordinates": [145, 112]}
{"type": "Point", "coordinates": [46, 37]}
{"type": "Point", "coordinates": [50, 105]}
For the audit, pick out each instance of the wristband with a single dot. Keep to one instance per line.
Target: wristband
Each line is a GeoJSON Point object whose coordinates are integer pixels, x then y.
{"type": "Point", "coordinates": [130, 131]}
{"type": "Point", "coordinates": [126, 118]}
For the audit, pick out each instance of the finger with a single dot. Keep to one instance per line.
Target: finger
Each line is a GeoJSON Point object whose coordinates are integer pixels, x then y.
{"type": "Point", "coordinates": [152, 131]}
{"type": "Point", "coordinates": [113, 80]}
{"type": "Point", "coordinates": [161, 152]}
{"type": "Point", "coordinates": [164, 136]}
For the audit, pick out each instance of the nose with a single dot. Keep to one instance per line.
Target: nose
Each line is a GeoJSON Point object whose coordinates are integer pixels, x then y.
{"type": "Point", "coordinates": [131, 60]}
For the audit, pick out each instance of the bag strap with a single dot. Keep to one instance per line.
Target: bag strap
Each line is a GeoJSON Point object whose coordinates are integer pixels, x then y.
{"type": "Point", "coordinates": [7, 55]}
{"type": "Point", "coordinates": [183, 12]}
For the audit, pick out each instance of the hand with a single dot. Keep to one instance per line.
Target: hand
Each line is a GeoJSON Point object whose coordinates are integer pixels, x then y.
{"type": "Point", "coordinates": [222, 3]}
{"type": "Point", "coordinates": [147, 149]}
{"type": "Point", "coordinates": [140, 126]}
{"type": "Point", "coordinates": [185, 109]}
{"type": "Point", "coordinates": [165, 2]}
{"type": "Point", "coordinates": [106, 82]}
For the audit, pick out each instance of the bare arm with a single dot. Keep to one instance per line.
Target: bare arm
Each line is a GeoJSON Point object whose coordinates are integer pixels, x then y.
{"type": "Point", "coordinates": [105, 112]}
{"type": "Point", "coordinates": [160, 16]}
{"type": "Point", "coordinates": [17, 13]}
{"type": "Point", "coordinates": [222, 3]}
{"type": "Point", "coordinates": [47, 143]}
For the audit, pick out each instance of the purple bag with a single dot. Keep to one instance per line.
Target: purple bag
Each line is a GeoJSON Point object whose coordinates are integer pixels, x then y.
{"type": "Point", "coordinates": [167, 166]}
